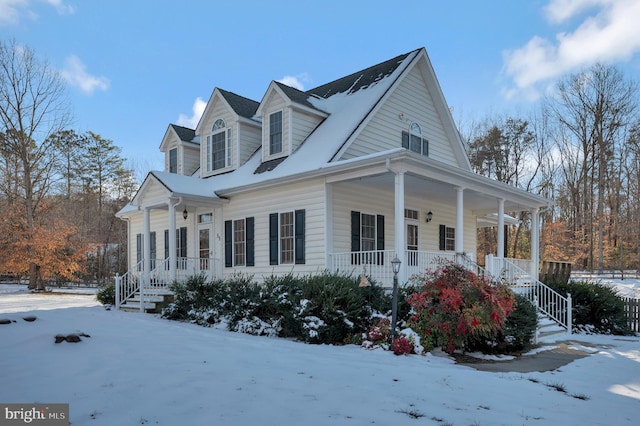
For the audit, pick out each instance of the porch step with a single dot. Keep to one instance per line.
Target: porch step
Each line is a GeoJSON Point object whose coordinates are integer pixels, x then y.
{"type": "Point", "coordinates": [549, 329]}
{"type": "Point", "coordinates": [153, 302]}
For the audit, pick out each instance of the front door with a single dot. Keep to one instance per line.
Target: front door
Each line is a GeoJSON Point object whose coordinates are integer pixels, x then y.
{"type": "Point", "coordinates": [204, 247]}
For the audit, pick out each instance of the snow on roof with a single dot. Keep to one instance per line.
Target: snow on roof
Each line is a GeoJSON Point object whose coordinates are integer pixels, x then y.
{"type": "Point", "coordinates": [347, 110]}
{"type": "Point", "coordinates": [185, 185]}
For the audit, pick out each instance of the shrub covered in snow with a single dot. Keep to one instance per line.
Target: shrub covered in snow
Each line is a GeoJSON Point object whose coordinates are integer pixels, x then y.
{"type": "Point", "coordinates": [323, 308]}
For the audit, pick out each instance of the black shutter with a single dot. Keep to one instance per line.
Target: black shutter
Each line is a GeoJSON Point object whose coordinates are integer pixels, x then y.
{"type": "Point", "coordinates": [183, 241]}
{"type": "Point", "coordinates": [443, 233]}
{"type": "Point", "coordinates": [250, 243]}
{"type": "Point", "coordinates": [228, 244]}
{"type": "Point", "coordinates": [425, 147]}
{"type": "Point", "coordinates": [405, 140]}
{"type": "Point", "coordinates": [355, 237]}
{"type": "Point", "coordinates": [153, 253]}
{"type": "Point", "coordinates": [273, 239]}
{"type": "Point", "coordinates": [139, 251]}
{"type": "Point", "coordinates": [380, 238]}
{"type": "Point", "coordinates": [299, 237]}
{"type": "Point", "coordinates": [166, 248]}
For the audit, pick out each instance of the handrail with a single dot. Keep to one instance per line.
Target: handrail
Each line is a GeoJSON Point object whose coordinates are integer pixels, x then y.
{"type": "Point", "coordinates": [548, 301]}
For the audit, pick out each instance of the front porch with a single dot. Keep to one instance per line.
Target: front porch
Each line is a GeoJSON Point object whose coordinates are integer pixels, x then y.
{"type": "Point", "coordinates": [144, 291]}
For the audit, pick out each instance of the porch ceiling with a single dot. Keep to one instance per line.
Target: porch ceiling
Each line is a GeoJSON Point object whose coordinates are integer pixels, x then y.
{"type": "Point", "coordinates": [436, 191]}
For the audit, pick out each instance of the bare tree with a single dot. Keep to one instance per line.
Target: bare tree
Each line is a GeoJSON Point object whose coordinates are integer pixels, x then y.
{"type": "Point", "coordinates": [32, 108]}
{"type": "Point", "coordinates": [593, 109]}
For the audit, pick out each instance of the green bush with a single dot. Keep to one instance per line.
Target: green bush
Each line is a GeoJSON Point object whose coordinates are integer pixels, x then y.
{"type": "Point", "coordinates": [517, 331]}
{"type": "Point", "coordinates": [324, 308]}
{"type": "Point", "coordinates": [107, 295]}
{"type": "Point", "coordinates": [595, 306]}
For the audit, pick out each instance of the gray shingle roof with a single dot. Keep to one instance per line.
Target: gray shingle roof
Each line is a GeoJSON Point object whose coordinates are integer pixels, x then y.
{"type": "Point", "coordinates": [184, 133]}
{"type": "Point", "coordinates": [244, 107]}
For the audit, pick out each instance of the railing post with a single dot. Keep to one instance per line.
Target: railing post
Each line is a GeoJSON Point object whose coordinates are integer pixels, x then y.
{"type": "Point", "coordinates": [117, 284]}
{"type": "Point", "coordinates": [569, 314]}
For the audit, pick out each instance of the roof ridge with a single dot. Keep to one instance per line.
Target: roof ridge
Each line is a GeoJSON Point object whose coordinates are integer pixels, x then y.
{"type": "Point", "coordinates": [367, 76]}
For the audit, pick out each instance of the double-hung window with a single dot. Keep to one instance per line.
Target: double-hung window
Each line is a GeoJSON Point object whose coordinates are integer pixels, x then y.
{"type": "Point", "coordinates": [239, 245]}
{"type": "Point", "coordinates": [447, 238]}
{"type": "Point", "coordinates": [173, 160]}
{"type": "Point", "coordinates": [218, 149]}
{"type": "Point", "coordinates": [287, 237]}
{"type": "Point", "coordinates": [275, 133]}
{"type": "Point", "coordinates": [367, 238]}
{"type": "Point", "coordinates": [413, 140]}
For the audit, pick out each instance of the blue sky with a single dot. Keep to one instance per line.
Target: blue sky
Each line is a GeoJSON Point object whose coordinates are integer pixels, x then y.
{"type": "Point", "coordinates": [134, 67]}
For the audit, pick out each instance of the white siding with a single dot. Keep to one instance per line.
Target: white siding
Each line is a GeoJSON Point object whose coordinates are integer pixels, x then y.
{"type": "Point", "coordinates": [219, 111]}
{"type": "Point", "coordinates": [303, 125]}
{"type": "Point", "coordinates": [351, 196]}
{"type": "Point", "coordinates": [275, 103]}
{"type": "Point", "coordinates": [308, 196]}
{"type": "Point", "coordinates": [190, 160]}
{"type": "Point", "coordinates": [249, 139]}
{"type": "Point", "coordinates": [384, 131]}
{"type": "Point", "coordinates": [159, 221]}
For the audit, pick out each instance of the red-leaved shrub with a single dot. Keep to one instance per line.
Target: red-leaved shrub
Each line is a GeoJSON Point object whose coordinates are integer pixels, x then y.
{"type": "Point", "coordinates": [455, 304]}
{"type": "Point", "coordinates": [402, 346]}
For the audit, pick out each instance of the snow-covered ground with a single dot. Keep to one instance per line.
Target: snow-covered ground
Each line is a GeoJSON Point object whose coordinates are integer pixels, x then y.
{"type": "Point", "coordinates": [141, 369]}
{"type": "Point", "coordinates": [627, 287]}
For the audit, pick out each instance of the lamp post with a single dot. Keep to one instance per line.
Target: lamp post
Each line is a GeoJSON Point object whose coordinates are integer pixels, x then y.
{"type": "Point", "coordinates": [395, 264]}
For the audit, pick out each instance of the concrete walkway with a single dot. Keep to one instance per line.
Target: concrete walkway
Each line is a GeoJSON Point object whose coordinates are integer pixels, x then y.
{"type": "Point", "coordinates": [559, 355]}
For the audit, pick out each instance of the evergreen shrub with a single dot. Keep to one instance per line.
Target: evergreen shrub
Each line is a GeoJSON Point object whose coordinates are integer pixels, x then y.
{"type": "Point", "coordinates": [596, 307]}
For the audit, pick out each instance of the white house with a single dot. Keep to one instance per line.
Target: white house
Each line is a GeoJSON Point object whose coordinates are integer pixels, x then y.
{"type": "Point", "coordinates": [345, 176]}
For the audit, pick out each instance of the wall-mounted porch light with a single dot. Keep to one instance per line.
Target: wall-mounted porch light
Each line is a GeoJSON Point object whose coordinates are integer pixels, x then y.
{"type": "Point", "coordinates": [429, 216]}
{"type": "Point", "coordinates": [185, 214]}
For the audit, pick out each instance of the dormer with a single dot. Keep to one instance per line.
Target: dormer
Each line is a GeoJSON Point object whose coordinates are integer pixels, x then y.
{"type": "Point", "coordinates": [287, 119]}
{"type": "Point", "coordinates": [181, 150]}
{"type": "Point", "coordinates": [229, 132]}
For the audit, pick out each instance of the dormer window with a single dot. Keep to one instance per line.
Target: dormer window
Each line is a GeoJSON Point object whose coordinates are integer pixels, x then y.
{"type": "Point", "coordinates": [219, 146]}
{"type": "Point", "coordinates": [173, 160]}
{"type": "Point", "coordinates": [413, 140]}
{"type": "Point", "coordinates": [275, 133]}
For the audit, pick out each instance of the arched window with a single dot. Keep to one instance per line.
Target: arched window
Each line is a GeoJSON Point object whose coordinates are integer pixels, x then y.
{"type": "Point", "coordinates": [218, 146]}
{"type": "Point", "coordinates": [413, 140]}
{"type": "Point", "coordinates": [219, 124]}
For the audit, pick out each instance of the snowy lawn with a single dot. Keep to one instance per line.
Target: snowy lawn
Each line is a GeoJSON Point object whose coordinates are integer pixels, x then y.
{"type": "Point", "coordinates": [140, 369]}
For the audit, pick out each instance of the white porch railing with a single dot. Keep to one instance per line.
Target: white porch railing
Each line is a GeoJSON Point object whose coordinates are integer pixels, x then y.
{"type": "Point", "coordinates": [376, 264]}
{"type": "Point", "coordinates": [548, 301]}
{"type": "Point", "coordinates": [160, 277]}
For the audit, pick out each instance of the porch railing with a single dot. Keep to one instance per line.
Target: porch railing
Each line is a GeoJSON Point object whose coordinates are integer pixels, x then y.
{"type": "Point", "coordinates": [376, 264]}
{"type": "Point", "coordinates": [160, 276]}
{"type": "Point", "coordinates": [548, 301]}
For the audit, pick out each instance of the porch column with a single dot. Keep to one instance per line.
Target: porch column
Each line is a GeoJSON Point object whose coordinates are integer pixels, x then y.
{"type": "Point", "coordinates": [459, 220]}
{"type": "Point", "coordinates": [400, 243]}
{"type": "Point", "coordinates": [146, 256]}
{"type": "Point", "coordinates": [218, 241]}
{"type": "Point", "coordinates": [172, 241]}
{"type": "Point", "coordinates": [500, 252]}
{"type": "Point", "coordinates": [535, 243]}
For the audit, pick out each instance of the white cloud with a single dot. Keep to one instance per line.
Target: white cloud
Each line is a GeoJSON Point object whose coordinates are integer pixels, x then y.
{"type": "Point", "coordinates": [61, 7]}
{"type": "Point", "coordinates": [608, 33]}
{"type": "Point", "coordinates": [12, 11]}
{"type": "Point", "coordinates": [296, 82]}
{"type": "Point", "coordinates": [197, 109]}
{"type": "Point", "coordinates": [76, 75]}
